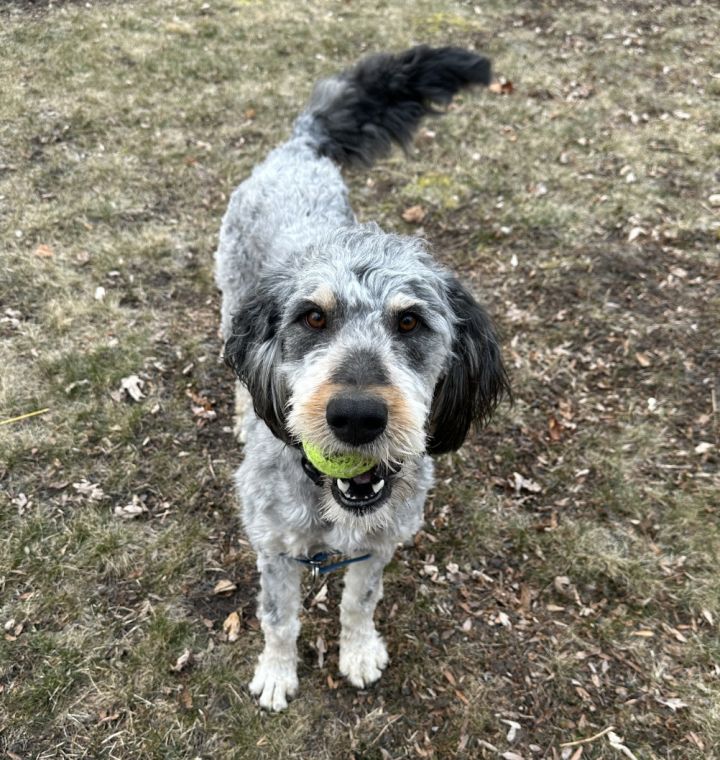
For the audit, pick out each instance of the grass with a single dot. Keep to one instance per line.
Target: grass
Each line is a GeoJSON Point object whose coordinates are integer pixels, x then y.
{"type": "Point", "coordinates": [579, 207]}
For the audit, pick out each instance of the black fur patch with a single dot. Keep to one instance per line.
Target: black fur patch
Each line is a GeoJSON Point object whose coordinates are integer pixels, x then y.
{"type": "Point", "coordinates": [476, 379]}
{"type": "Point", "coordinates": [253, 352]}
{"type": "Point", "coordinates": [382, 100]}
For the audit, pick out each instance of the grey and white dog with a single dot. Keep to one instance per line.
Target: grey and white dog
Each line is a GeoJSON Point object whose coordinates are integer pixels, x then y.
{"type": "Point", "coordinates": [350, 338]}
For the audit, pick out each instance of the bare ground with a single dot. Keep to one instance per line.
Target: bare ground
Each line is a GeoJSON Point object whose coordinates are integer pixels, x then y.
{"type": "Point", "coordinates": [566, 579]}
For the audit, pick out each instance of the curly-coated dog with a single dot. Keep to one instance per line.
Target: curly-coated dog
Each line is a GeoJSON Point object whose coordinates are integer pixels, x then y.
{"type": "Point", "coordinates": [351, 338]}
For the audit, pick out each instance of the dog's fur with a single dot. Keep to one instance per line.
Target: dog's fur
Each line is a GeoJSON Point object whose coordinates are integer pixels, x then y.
{"type": "Point", "coordinates": [290, 247]}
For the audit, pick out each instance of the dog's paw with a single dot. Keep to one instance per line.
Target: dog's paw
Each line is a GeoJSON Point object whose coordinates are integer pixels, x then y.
{"type": "Point", "coordinates": [273, 684]}
{"type": "Point", "coordinates": [362, 658]}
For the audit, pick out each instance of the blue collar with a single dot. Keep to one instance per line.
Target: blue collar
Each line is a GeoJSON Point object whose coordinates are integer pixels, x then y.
{"type": "Point", "coordinates": [318, 562]}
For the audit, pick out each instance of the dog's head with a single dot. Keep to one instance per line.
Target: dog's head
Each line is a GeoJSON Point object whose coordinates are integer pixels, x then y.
{"type": "Point", "coordinates": [368, 347]}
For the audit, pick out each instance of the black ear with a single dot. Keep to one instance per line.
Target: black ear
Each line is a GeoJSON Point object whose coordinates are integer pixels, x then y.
{"type": "Point", "coordinates": [475, 380]}
{"type": "Point", "coordinates": [253, 352]}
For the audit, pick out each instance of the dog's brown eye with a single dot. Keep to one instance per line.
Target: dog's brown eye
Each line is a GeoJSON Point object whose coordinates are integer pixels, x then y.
{"type": "Point", "coordinates": [315, 319]}
{"type": "Point", "coordinates": [407, 323]}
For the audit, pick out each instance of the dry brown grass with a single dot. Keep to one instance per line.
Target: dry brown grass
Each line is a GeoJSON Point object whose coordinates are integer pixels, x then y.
{"type": "Point", "coordinates": [588, 603]}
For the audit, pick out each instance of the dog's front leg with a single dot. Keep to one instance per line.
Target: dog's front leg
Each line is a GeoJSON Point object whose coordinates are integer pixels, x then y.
{"type": "Point", "coordinates": [362, 651]}
{"type": "Point", "coordinates": [275, 678]}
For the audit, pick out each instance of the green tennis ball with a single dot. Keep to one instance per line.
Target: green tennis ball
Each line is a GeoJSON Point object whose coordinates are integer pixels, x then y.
{"type": "Point", "coordinates": [344, 466]}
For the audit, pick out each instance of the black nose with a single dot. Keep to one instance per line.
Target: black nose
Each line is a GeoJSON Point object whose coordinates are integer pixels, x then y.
{"type": "Point", "coordinates": [356, 419]}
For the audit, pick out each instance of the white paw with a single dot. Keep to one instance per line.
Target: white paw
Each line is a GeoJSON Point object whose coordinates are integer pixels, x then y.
{"type": "Point", "coordinates": [362, 658]}
{"type": "Point", "coordinates": [274, 683]}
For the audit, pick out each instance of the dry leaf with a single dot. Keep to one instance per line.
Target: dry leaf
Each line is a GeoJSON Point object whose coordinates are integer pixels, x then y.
{"type": "Point", "coordinates": [513, 731]}
{"type": "Point", "coordinates": [132, 385]}
{"type": "Point", "coordinates": [554, 429]}
{"type": "Point", "coordinates": [414, 214]}
{"type": "Point", "coordinates": [44, 251]}
{"type": "Point", "coordinates": [643, 360]}
{"type": "Point", "coordinates": [186, 698]}
{"type": "Point", "coordinates": [182, 662]}
{"type": "Point", "coordinates": [132, 510]}
{"type": "Point", "coordinates": [521, 483]}
{"type": "Point", "coordinates": [321, 647]}
{"type": "Point", "coordinates": [91, 490]}
{"type": "Point", "coordinates": [703, 447]}
{"type": "Point", "coordinates": [501, 88]}
{"type": "Point", "coordinates": [673, 703]}
{"type": "Point", "coordinates": [231, 626]}
{"type": "Point", "coordinates": [224, 586]}
{"type": "Point", "coordinates": [202, 407]}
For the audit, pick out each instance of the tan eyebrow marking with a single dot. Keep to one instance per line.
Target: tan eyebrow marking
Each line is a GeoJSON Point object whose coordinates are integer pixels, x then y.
{"type": "Point", "coordinates": [402, 302]}
{"type": "Point", "coordinates": [323, 297]}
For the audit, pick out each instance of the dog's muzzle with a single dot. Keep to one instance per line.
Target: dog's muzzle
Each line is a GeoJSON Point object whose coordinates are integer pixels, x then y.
{"type": "Point", "coordinates": [362, 494]}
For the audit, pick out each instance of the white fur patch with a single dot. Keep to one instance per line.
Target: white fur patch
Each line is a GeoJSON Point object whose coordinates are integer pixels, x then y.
{"type": "Point", "coordinates": [275, 681]}
{"type": "Point", "coordinates": [363, 656]}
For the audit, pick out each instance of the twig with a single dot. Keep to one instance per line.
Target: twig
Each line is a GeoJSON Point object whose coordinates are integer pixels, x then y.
{"type": "Point", "coordinates": [589, 739]}
{"type": "Point", "coordinates": [25, 416]}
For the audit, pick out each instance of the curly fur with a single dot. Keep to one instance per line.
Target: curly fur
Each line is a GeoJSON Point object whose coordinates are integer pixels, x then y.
{"type": "Point", "coordinates": [290, 245]}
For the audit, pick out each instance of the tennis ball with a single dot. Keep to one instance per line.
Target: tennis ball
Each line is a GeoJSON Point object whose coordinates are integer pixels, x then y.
{"type": "Point", "coordinates": [344, 466]}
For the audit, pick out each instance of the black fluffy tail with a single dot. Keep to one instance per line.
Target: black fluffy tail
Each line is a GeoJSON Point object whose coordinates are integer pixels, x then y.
{"type": "Point", "coordinates": [356, 116]}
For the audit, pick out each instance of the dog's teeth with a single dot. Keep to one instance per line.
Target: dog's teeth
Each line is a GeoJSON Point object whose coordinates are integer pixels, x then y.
{"type": "Point", "coordinates": [377, 487]}
{"type": "Point", "coordinates": [343, 485]}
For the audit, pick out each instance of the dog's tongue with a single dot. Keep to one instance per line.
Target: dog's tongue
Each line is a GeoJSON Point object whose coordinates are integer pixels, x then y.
{"type": "Point", "coordinates": [365, 477]}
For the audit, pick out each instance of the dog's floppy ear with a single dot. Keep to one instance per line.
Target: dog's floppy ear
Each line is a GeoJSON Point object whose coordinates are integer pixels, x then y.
{"type": "Point", "coordinates": [253, 352]}
{"type": "Point", "coordinates": [475, 379]}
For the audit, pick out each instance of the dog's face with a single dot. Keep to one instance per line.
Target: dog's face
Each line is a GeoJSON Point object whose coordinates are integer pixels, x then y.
{"type": "Point", "coordinates": [367, 347]}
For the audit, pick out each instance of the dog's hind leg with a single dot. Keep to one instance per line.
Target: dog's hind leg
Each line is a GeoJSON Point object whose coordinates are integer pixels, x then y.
{"type": "Point", "coordinates": [362, 651]}
{"type": "Point", "coordinates": [243, 402]}
{"type": "Point", "coordinates": [275, 679]}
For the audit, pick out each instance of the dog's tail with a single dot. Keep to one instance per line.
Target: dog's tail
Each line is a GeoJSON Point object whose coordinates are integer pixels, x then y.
{"type": "Point", "coordinates": [355, 117]}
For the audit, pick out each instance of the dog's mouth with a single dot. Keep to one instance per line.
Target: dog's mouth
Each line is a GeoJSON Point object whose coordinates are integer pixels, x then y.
{"type": "Point", "coordinates": [365, 492]}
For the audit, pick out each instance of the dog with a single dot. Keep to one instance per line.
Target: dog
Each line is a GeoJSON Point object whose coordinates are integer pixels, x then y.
{"type": "Point", "coordinates": [351, 338]}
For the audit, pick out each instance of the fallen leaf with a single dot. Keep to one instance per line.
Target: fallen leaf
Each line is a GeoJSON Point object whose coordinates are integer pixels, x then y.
{"type": "Point", "coordinates": [673, 703]}
{"type": "Point", "coordinates": [231, 626]}
{"type": "Point", "coordinates": [414, 214]}
{"type": "Point", "coordinates": [513, 731]}
{"type": "Point", "coordinates": [501, 88]}
{"type": "Point", "coordinates": [105, 716]}
{"type": "Point", "coordinates": [224, 586]}
{"type": "Point", "coordinates": [321, 647]}
{"type": "Point", "coordinates": [554, 429]}
{"type": "Point", "coordinates": [703, 447]}
{"type": "Point", "coordinates": [182, 662]}
{"type": "Point", "coordinates": [91, 490]}
{"type": "Point", "coordinates": [643, 360]}
{"type": "Point", "coordinates": [44, 251]}
{"type": "Point", "coordinates": [132, 385]}
{"type": "Point", "coordinates": [521, 483]}
{"type": "Point", "coordinates": [202, 408]}
{"type": "Point", "coordinates": [132, 510]}
{"type": "Point", "coordinates": [186, 698]}
{"type": "Point", "coordinates": [635, 233]}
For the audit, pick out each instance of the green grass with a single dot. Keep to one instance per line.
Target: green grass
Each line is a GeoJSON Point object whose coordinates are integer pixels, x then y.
{"type": "Point", "coordinates": [590, 603]}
